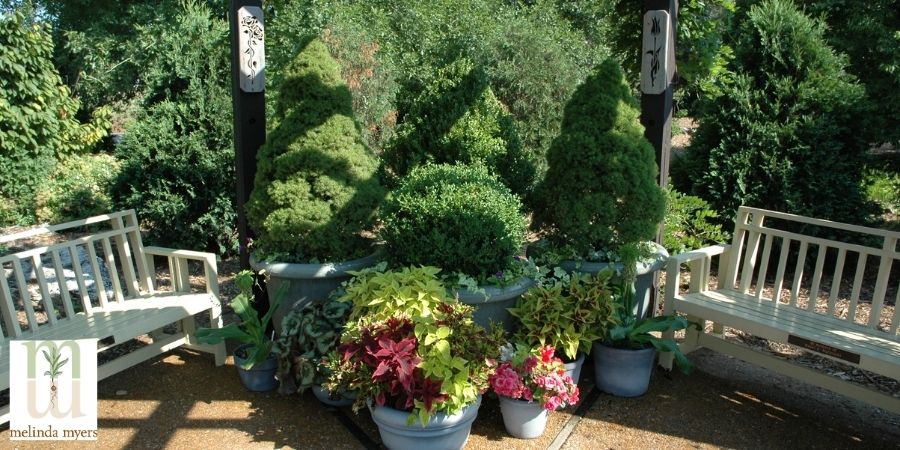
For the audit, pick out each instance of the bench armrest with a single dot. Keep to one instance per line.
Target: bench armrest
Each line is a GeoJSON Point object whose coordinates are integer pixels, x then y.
{"type": "Point", "coordinates": [699, 262]}
{"type": "Point", "coordinates": [705, 252]}
{"type": "Point", "coordinates": [178, 267]}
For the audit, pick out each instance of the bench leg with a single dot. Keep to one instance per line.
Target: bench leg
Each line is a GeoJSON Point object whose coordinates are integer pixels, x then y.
{"type": "Point", "coordinates": [215, 321]}
{"type": "Point", "coordinates": [692, 335]}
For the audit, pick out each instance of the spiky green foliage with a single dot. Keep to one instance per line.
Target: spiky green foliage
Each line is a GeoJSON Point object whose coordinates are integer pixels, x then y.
{"type": "Point", "coordinates": [789, 133]}
{"type": "Point", "coordinates": [316, 188]}
{"type": "Point", "coordinates": [459, 218]}
{"type": "Point", "coordinates": [600, 191]}
{"type": "Point", "coordinates": [251, 329]}
{"type": "Point", "coordinates": [455, 118]}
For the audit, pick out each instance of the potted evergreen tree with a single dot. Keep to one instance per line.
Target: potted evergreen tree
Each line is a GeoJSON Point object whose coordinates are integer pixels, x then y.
{"type": "Point", "coordinates": [316, 189]}
{"type": "Point", "coordinates": [600, 202]}
{"type": "Point", "coordinates": [465, 221]}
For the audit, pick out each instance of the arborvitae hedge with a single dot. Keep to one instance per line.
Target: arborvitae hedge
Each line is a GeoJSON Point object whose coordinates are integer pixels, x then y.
{"type": "Point", "coordinates": [455, 118]}
{"type": "Point", "coordinates": [600, 190]}
{"type": "Point", "coordinates": [316, 188]}
{"type": "Point", "coordinates": [787, 133]}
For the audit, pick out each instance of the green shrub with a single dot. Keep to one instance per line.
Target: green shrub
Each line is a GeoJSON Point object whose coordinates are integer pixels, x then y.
{"type": "Point", "coordinates": [178, 156]}
{"type": "Point", "coordinates": [459, 218]}
{"type": "Point", "coordinates": [788, 133]}
{"type": "Point", "coordinates": [455, 118]}
{"type": "Point", "coordinates": [37, 115]}
{"type": "Point", "coordinates": [316, 186]}
{"type": "Point", "coordinates": [77, 188]}
{"type": "Point", "coordinates": [600, 191]}
{"type": "Point", "coordinates": [883, 188]}
{"type": "Point", "coordinates": [178, 173]}
{"type": "Point", "coordinates": [690, 223]}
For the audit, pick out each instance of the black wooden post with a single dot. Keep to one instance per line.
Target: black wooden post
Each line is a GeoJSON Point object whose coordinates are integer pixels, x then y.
{"type": "Point", "coordinates": [656, 107]}
{"type": "Point", "coordinates": [249, 128]}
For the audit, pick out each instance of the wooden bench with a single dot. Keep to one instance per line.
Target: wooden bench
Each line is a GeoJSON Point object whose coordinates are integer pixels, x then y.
{"type": "Point", "coordinates": [793, 288]}
{"type": "Point", "coordinates": [102, 284]}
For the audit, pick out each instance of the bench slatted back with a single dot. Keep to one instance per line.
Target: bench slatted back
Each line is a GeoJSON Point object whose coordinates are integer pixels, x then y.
{"type": "Point", "coordinates": [115, 270]}
{"type": "Point", "coordinates": [806, 264]}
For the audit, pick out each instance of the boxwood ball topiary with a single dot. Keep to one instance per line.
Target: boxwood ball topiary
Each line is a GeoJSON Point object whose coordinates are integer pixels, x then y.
{"type": "Point", "coordinates": [600, 191]}
{"type": "Point", "coordinates": [316, 188]}
{"type": "Point", "coordinates": [457, 217]}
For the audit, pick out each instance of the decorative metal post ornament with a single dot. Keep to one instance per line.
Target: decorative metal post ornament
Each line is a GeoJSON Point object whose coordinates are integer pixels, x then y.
{"type": "Point", "coordinates": [251, 47]}
{"type": "Point", "coordinates": [657, 55]}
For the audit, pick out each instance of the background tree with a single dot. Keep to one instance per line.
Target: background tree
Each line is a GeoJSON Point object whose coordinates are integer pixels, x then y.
{"type": "Point", "coordinates": [37, 117]}
{"type": "Point", "coordinates": [177, 157]}
{"type": "Point", "coordinates": [455, 118]}
{"type": "Point", "coordinates": [787, 132]}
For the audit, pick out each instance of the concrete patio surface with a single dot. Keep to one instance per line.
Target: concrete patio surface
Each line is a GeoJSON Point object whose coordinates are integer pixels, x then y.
{"type": "Point", "coordinates": [182, 401]}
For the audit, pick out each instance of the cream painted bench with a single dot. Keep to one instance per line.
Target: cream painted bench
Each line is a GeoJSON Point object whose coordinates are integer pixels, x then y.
{"type": "Point", "coordinates": [110, 293]}
{"type": "Point", "coordinates": [766, 276]}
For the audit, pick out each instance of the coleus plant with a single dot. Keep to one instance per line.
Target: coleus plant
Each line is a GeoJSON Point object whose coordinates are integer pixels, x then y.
{"type": "Point", "coordinates": [410, 346]}
{"type": "Point", "coordinates": [568, 315]}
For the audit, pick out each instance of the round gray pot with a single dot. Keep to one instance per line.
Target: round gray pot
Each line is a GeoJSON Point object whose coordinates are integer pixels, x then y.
{"type": "Point", "coordinates": [492, 304]}
{"type": "Point", "coordinates": [573, 369]}
{"type": "Point", "coordinates": [523, 420]}
{"type": "Point", "coordinates": [643, 284]}
{"type": "Point", "coordinates": [260, 377]}
{"type": "Point", "coordinates": [442, 432]}
{"type": "Point", "coordinates": [306, 283]}
{"type": "Point", "coordinates": [623, 372]}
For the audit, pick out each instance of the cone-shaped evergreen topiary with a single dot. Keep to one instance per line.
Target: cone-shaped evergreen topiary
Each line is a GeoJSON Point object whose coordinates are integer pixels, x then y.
{"type": "Point", "coordinates": [788, 132]}
{"type": "Point", "coordinates": [455, 118]}
{"type": "Point", "coordinates": [316, 187]}
{"type": "Point", "coordinates": [600, 190]}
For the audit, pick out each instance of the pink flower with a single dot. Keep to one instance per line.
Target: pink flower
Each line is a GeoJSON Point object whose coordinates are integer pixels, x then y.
{"type": "Point", "coordinates": [552, 403]}
{"type": "Point", "coordinates": [506, 381]}
{"type": "Point", "coordinates": [535, 375]}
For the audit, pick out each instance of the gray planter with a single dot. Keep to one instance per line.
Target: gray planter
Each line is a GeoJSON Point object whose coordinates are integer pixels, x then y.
{"type": "Point", "coordinates": [442, 432]}
{"type": "Point", "coordinates": [306, 283]}
{"type": "Point", "coordinates": [260, 377]}
{"type": "Point", "coordinates": [573, 369]}
{"type": "Point", "coordinates": [324, 396]}
{"type": "Point", "coordinates": [643, 284]}
{"type": "Point", "coordinates": [523, 420]}
{"type": "Point", "coordinates": [623, 372]}
{"type": "Point", "coordinates": [493, 303]}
